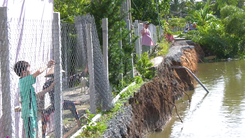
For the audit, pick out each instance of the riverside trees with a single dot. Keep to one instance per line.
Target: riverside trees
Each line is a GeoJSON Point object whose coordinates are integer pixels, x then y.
{"type": "Point", "coordinates": [224, 36]}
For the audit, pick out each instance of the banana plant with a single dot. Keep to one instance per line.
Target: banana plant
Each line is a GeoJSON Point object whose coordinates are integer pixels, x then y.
{"type": "Point", "coordinates": [204, 15]}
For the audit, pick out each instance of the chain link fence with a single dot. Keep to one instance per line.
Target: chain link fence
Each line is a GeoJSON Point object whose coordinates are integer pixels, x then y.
{"type": "Point", "coordinates": [103, 95]}
{"type": "Point", "coordinates": [79, 73]}
{"type": "Point", "coordinates": [28, 41]}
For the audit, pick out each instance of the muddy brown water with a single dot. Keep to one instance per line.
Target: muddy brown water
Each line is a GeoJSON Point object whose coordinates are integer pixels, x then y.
{"type": "Point", "coordinates": [219, 114]}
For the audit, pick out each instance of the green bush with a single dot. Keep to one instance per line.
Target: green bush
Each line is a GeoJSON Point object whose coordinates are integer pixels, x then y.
{"type": "Point", "coordinates": [144, 65]}
{"type": "Point", "coordinates": [163, 48]}
{"type": "Point", "coordinates": [138, 79]}
{"type": "Point", "coordinates": [177, 22]}
{"type": "Point", "coordinates": [177, 33]}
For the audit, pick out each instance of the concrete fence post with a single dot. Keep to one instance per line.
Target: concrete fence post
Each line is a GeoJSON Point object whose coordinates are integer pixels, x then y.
{"type": "Point", "coordinates": [65, 52]}
{"type": "Point", "coordinates": [90, 68]}
{"type": "Point", "coordinates": [137, 42]}
{"type": "Point", "coordinates": [7, 63]}
{"type": "Point", "coordinates": [131, 60]}
{"type": "Point", "coordinates": [120, 46]}
{"type": "Point", "coordinates": [105, 44]}
{"type": "Point", "coordinates": [57, 75]}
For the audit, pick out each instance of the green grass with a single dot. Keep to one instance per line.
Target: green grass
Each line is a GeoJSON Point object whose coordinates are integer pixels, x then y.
{"type": "Point", "coordinates": [163, 48]}
{"type": "Point", "coordinates": [177, 33]}
{"type": "Point", "coordinates": [98, 128]}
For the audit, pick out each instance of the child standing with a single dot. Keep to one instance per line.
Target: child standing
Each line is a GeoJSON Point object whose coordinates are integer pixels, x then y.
{"type": "Point", "coordinates": [28, 95]}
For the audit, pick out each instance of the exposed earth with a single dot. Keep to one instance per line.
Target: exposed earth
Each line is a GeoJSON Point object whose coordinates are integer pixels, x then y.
{"type": "Point", "coordinates": [152, 106]}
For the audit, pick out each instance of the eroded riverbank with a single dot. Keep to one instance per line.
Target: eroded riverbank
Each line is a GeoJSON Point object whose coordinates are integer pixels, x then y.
{"type": "Point", "coordinates": [152, 106]}
{"type": "Point", "coordinates": [219, 114]}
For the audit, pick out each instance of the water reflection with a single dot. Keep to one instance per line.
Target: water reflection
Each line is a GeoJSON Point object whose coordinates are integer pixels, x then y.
{"type": "Point", "coordinates": [219, 114]}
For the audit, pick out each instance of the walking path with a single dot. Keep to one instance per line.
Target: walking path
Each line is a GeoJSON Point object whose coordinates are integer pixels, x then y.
{"type": "Point", "coordinates": [74, 94]}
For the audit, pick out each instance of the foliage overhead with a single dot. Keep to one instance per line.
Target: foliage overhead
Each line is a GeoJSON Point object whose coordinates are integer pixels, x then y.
{"type": "Point", "coordinates": [70, 8]}
{"type": "Point", "coordinates": [146, 10]}
{"type": "Point", "coordinates": [194, 6]}
{"type": "Point", "coordinates": [179, 7]}
{"type": "Point", "coordinates": [202, 16]}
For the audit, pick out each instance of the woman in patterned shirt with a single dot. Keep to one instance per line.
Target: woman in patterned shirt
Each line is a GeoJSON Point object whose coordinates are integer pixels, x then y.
{"type": "Point", "coordinates": [67, 105]}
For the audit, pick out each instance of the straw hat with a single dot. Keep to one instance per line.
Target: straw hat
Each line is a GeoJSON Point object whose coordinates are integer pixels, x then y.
{"type": "Point", "coordinates": [51, 72]}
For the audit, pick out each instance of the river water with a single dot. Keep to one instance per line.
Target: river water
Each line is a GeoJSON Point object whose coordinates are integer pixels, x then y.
{"type": "Point", "coordinates": [218, 114]}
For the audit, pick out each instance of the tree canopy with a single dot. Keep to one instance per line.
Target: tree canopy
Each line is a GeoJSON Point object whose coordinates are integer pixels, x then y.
{"type": "Point", "coordinates": [147, 10]}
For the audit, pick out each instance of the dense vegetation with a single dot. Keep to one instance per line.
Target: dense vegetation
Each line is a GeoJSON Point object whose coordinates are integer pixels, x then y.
{"type": "Point", "coordinates": [119, 59]}
{"type": "Point", "coordinates": [220, 25]}
{"type": "Point", "coordinates": [149, 10]}
{"type": "Point", "coordinates": [223, 36]}
{"type": "Point", "coordinates": [220, 29]}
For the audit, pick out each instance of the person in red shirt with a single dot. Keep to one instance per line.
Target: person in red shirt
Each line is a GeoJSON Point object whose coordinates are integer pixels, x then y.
{"type": "Point", "coordinates": [169, 37]}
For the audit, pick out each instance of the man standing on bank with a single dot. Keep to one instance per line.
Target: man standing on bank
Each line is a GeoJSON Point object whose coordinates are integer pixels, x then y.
{"type": "Point", "coordinates": [146, 38]}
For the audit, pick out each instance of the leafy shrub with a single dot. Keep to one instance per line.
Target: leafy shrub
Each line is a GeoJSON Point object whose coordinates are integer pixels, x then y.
{"type": "Point", "coordinates": [233, 19]}
{"type": "Point", "coordinates": [177, 33]}
{"type": "Point", "coordinates": [143, 65]}
{"type": "Point", "coordinates": [163, 48]}
{"type": "Point", "coordinates": [177, 22]}
{"type": "Point", "coordinates": [138, 79]}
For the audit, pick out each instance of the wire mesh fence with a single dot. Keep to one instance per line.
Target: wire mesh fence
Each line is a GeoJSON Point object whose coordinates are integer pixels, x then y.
{"type": "Point", "coordinates": [41, 98]}
{"type": "Point", "coordinates": [103, 94]}
{"type": "Point", "coordinates": [21, 40]}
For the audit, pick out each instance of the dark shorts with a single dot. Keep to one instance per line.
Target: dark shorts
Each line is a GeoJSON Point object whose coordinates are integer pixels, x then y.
{"type": "Point", "coordinates": [69, 105]}
{"type": "Point", "coordinates": [145, 49]}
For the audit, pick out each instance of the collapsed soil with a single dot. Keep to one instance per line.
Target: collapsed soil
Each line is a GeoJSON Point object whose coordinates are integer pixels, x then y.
{"type": "Point", "coordinates": [152, 106]}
